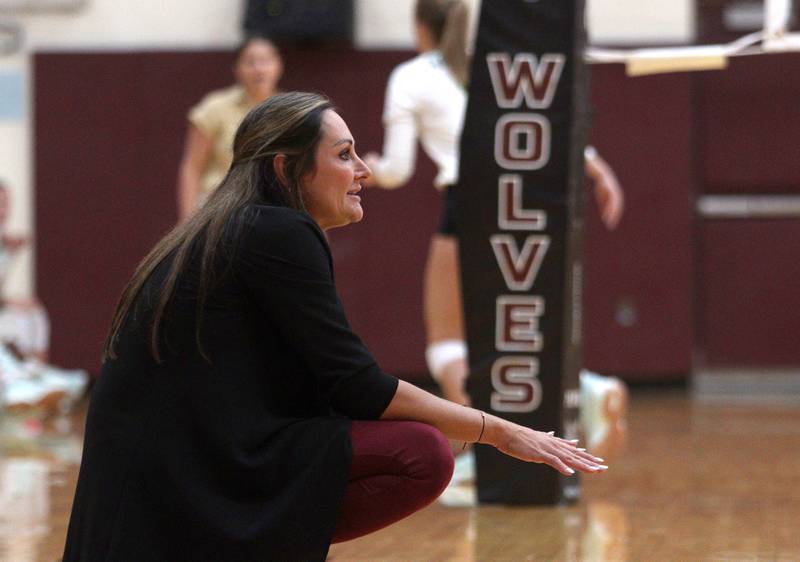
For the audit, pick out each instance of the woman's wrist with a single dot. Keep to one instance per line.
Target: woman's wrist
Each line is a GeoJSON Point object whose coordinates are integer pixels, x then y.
{"type": "Point", "coordinates": [479, 436]}
{"type": "Point", "coordinates": [494, 430]}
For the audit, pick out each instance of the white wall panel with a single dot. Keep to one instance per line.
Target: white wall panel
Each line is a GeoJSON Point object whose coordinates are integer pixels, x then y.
{"type": "Point", "coordinates": [137, 25]}
{"type": "Point", "coordinates": [384, 24]}
{"type": "Point", "coordinates": [637, 22]}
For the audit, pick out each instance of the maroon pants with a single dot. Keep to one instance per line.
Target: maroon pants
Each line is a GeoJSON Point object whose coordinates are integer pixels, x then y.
{"type": "Point", "coordinates": [398, 468]}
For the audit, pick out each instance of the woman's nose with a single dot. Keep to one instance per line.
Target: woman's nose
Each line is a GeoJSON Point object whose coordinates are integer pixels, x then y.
{"type": "Point", "coordinates": [363, 171]}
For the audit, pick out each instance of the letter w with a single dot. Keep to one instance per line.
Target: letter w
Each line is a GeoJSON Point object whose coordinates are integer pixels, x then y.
{"type": "Point", "coordinates": [536, 82]}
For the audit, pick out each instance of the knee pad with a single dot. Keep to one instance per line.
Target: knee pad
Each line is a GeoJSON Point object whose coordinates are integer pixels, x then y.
{"type": "Point", "coordinates": [440, 354]}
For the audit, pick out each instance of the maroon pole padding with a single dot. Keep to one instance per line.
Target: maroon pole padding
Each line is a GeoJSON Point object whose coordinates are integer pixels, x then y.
{"type": "Point", "coordinates": [519, 205]}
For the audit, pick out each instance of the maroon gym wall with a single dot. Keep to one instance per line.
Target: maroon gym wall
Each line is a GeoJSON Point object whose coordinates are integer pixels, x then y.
{"type": "Point", "coordinates": [748, 142]}
{"type": "Point", "coordinates": [109, 134]}
{"type": "Point", "coordinates": [638, 278]}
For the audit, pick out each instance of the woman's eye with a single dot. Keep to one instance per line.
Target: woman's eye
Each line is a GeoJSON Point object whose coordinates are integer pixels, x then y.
{"type": "Point", "coordinates": [345, 155]}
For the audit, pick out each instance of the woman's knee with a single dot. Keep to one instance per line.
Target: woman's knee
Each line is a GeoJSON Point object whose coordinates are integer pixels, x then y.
{"type": "Point", "coordinates": [435, 456]}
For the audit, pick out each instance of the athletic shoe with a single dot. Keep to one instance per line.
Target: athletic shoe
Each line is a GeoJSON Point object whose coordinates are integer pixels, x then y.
{"type": "Point", "coordinates": [21, 391]}
{"type": "Point", "coordinates": [22, 395]}
{"type": "Point", "coordinates": [464, 468]}
{"type": "Point", "coordinates": [10, 366]}
{"type": "Point", "coordinates": [73, 381]}
{"type": "Point", "coordinates": [461, 492]}
{"type": "Point", "coordinates": [604, 407]}
{"type": "Point", "coordinates": [460, 495]}
{"type": "Point", "coordinates": [32, 385]}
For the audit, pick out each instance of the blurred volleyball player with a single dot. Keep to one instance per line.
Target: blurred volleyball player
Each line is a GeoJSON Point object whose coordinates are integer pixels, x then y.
{"type": "Point", "coordinates": [426, 102]}
{"type": "Point", "coordinates": [213, 121]}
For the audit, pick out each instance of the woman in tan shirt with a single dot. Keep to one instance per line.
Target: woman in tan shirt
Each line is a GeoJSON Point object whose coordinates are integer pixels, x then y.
{"type": "Point", "coordinates": [213, 122]}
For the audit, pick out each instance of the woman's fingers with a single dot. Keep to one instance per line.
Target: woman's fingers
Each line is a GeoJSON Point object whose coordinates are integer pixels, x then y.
{"type": "Point", "coordinates": [587, 456]}
{"type": "Point", "coordinates": [567, 452]}
{"type": "Point", "coordinates": [558, 464]}
{"type": "Point", "coordinates": [572, 444]}
{"type": "Point", "coordinates": [585, 465]}
{"type": "Point", "coordinates": [568, 465]}
{"type": "Point", "coordinates": [584, 457]}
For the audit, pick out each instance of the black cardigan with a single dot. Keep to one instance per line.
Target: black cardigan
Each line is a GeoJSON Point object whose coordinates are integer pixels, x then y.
{"type": "Point", "coordinates": [245, 458]}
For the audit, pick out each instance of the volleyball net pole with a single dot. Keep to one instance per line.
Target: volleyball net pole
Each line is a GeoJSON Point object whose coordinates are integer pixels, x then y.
{"type": "Point", "coordinates": [520, 226]}
{"type": "Point", "coordinates": [520, 215]}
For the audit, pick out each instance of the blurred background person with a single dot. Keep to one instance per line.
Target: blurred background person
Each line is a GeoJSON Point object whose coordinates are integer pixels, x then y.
{"type": "Point", "coordinates": [24, 324]}
{"type": "Point", "coordinates": [426, 101]}
{"type": "Point", "coordinates": [213, 121]}
{"type": "Point", "coordinates": [27, 382]}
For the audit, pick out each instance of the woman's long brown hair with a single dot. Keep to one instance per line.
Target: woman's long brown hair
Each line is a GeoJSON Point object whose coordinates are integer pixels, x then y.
{"type": "Point", "coordinates": [448, 21]}
{"type": "Point", "coordinates": [286, 124]}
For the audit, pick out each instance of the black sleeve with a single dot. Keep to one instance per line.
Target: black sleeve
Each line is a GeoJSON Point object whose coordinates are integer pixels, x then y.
{"type": "Point", "coordinates": [285, 264]}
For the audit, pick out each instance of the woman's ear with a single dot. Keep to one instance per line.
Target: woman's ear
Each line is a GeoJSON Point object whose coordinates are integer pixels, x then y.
{"type": "Point", "coordinates": [279, 165]}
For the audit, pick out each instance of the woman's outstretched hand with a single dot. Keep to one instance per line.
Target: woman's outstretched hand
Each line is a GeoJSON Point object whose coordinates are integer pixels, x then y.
{"type": "Point", "coordinates": [471, 425]}
{"type": "Point", "coordinates": [536, 446]}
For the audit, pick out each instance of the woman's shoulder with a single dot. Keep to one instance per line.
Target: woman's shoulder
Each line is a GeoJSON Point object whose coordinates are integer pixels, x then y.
{"type": "Point", "coordinates": [282, 227]}
{"type": "Point", "coordinates": [279, 217]}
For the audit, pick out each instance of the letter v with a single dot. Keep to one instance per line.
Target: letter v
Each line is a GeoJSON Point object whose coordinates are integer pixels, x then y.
{"type": "Point", "coordinates": [519, 268]}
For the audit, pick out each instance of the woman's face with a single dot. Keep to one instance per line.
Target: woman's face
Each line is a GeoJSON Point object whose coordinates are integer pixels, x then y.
{"type": "Point", "coordinates": [331, 189]}
{"type": "Point", "coordinates": [258, 69]}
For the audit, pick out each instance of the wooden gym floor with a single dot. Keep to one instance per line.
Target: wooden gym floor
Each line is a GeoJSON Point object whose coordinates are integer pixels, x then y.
{"type": "Point", "coordinates": [697, 482]}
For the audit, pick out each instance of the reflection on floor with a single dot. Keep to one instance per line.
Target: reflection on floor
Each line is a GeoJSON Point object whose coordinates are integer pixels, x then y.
{"type": "Point", "coordinates": [697, 482]}
{"type": "Point", "coordinates": [38, 472]}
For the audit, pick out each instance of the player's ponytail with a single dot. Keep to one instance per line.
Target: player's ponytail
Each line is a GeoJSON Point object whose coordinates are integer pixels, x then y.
{"type": "Point", "coordinates": [454, 40]}
{"type": "Point", "coordinates": [448, 21]}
